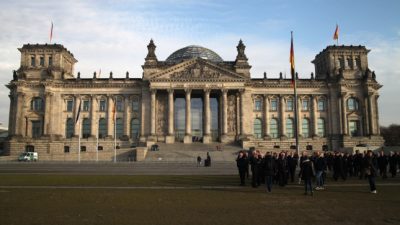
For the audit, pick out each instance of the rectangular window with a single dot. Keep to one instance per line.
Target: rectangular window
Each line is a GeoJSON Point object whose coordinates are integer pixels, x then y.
{"type": "Point", "coordinates": [305, 105]}
{"type": "Point", "coordinates": [100, 148]}
{"type": "Point", "coordinates": [86, 105]}
{"type": "Point", "coordinates": [289, 105]}
{"type": "Point", "coordinates": [66, 149]}
{"type": "Point", "coordinates": [36, 128]}
{"type": "Point", "coordinates": [353, 128]}
{"type": "Point", "coordinates": [274, 105]}
{"type": "Point", "coordinates": [41, 61]}
{"type": "Point", "coordinates": [120, 106]}
{"type": "Point", "coordinates": [257, 105]}
{"type": "Point", "coordinates": [70, 105]}
{"type": "Point", "coordinates": [50, 60]}
{"type": "Point", "coordinates": [321, 105]}
{"type": "Point", "coordinates": [102, 106]}
{"type": "Point", "coordinates": [33, 61]}
{"type": "Point", "coordinates": [135, 106]}
{"type": "Point", "coordinates": [83, 148]}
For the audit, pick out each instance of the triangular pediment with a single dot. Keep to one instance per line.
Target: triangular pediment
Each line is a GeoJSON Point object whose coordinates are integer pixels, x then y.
{"type": "Point", "coordinates": [197, 70]}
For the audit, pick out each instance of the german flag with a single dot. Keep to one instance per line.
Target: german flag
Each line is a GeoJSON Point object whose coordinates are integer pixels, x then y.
{"type": "Point", "coordinates": [291, 59]}
{"type": "Point", "coordinates": [336, 34]}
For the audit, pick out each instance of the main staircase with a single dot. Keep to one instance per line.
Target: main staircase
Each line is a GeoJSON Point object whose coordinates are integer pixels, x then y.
{"type": "Point", "coordinates": [180, 152]}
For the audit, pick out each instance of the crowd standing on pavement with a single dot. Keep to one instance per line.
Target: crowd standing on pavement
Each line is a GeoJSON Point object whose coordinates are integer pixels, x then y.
{"type": "Point", "coordinates": [279, 168]}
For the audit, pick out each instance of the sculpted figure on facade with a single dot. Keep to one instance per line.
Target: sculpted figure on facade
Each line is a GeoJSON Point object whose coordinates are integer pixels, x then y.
{"type": "Point", "coordinates": [231, 114]}
{"type": "Point", "coordinates": [162, 116]}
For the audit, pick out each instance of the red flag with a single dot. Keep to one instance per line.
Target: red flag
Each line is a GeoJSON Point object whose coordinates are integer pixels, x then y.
{"type": "Point", "coordinates": [291, 59]}
{"type": "Point", "coordinates": [336, 34]}
{"type": "Point", "coordinates": [51, 32]}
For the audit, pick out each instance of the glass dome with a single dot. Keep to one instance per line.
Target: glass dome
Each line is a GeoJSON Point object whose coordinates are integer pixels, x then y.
{"type": "Point", "coordinates": [193, 51]}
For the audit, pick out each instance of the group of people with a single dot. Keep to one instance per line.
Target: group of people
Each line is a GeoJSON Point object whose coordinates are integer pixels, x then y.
{"type": "Point", "coordinates": [280, 168]}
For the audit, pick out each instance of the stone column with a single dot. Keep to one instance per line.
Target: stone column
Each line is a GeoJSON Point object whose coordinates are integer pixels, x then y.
{"type": "Point", "coordinates": [153, 113]}
{"type": "Point", "coordinates": [188, 118]}
{"type": "Point", "coordinates": [372, 114]}
{"type": "Point", "coordinates": [224, 115]}
{"type": "Point", "coordinates": [11, 117]}
{"type": "Point", "coordinates": [298, 126]}
{"type": "Point", "coordinates": [344, 115]}
{"type": "Point", "coordinates": [367, 116]}
{"type": "Point", "coordinates": [207, 117]}
{"type": "Point", "coordinates": [282, 116]}
{"type": "Point", "coordinates": [242, 109]}
{"type": "Point", "coordinates": [266, 118]}
{"type": "Point", "coordinates": [94, 122]}
{"type": "Point", "coordinates": [78, 124]}
{"type": "Point", "coordinates": [127, 117]}
{"type": "Point", "coordinates": [376, 117]}
{"type": "Point", "coordinates": [110, 119]}
{"type": "Point", "coordinates": [20, 120]}
{"type": "Point", "coordinates": [47, 115]}
{"type": "Point", "coordinates": [314, 122]}
{"type": "Point", "coordinates": [170, 137]}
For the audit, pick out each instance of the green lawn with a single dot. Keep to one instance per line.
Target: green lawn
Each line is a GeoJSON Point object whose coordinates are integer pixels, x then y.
{"type": "Point", "coordinates": [242, 206]}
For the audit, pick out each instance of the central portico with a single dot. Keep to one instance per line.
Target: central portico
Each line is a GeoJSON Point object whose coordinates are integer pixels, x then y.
{"type": "Point", "coordinates": [189, 97]}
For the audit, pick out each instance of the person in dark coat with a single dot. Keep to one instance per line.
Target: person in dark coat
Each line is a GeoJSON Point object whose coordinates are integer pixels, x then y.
{"type": "Point", "coordinates": [393, 164]}
{"type": "Point", "coordinates": [282, 169]}
{"type": "Point", "coordinates": [255, 162]}
{"type": "Point", "coordinates": [292, 164]}
{"type": "Point", "coordinates": [320, 167]}
{"type": "Point", "coordinates": [269, 170]}
{"type": "Point", "coordinates": [307, 173]}
{"type": "Point", "coordinates": [338, 169]}
{"type": "Point", "coordinates": [382, 164]}
{"type": "Point", "coordinates": [242, 165]}
{"type": "Point", "coordinates": [370, 171]}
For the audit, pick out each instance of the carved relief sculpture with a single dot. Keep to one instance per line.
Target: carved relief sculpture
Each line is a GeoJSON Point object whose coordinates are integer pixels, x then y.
{"type": "Point", "coordinates": [162, 114]}
{"type": "Point", "coordinates": [231, 114]}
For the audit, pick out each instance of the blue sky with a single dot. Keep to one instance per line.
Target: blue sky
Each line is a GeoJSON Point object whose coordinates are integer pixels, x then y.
{"type": "Point", "coordinates": [112, 35]}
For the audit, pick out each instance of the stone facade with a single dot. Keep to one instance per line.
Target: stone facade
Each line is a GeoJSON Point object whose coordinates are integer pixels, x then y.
{"type": "Point", "coordinates": [220, 102]}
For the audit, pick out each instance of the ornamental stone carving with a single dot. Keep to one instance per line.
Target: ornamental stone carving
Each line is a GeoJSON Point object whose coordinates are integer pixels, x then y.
{"type": "Point", "coordinates": [162, 114]}
{"type": "Point", "coordinates": [197, 71]}
{"type": "Point", "coordinates": [231, 114]}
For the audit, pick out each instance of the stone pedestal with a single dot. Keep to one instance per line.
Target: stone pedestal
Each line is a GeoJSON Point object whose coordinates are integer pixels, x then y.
{"type": "Point", "coordinates": [207, 139]}
{"type": "Point", "coordinates": [225, 138]}
{"type": "Point", "coordinates": [170, 139]}
{"type": "Point", "coordinates": [187, 139]}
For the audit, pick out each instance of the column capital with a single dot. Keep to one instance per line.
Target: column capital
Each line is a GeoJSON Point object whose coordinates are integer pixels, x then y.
{"type": "Point", "coordinates": [170, 90]}
{"type": "Point", "coordinates": [188, 91]}
{"type": "Point", "coordinates": [207, 91]}
{"type": "Point", "coordinates": [153, 91]}
{"type": "Point", "coordinates": [266, 96]}
{"type": "Point", "coordinates": [242, 90]}
{"type": "Point", "coordinates": [224, 91]}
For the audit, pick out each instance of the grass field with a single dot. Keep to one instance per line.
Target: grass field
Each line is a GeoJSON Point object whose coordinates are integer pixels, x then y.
{"type": "Point", "coordinates": [66, 199]}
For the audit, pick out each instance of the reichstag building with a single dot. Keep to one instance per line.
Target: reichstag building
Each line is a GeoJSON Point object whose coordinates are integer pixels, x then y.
{"type": "Point", "coordinates": [193, 96]}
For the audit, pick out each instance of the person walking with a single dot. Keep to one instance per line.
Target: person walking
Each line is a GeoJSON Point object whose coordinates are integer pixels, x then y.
{"type": "Point", "coordinates": [393, 164]}
{"type": "Point", "coordinates": [382, 163]}
{"type": "Point", "coordinates": [307, 173]}
{"type": "Point", "coordinates": [242, 165]}
{"type": "Point", "coordinates": [370, 171]}
{"type": "Point", "coordinates": [269, 170]}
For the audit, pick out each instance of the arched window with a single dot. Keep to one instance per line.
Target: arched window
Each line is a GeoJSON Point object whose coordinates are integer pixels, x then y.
{"type": "Point", "coordinates": [352, 104]}
{"type": "Point", "coordinates": [85, 127]}
{"type": "Point", "coordinates": [135, 128]}
{"type": "Point", "coordinates": [273, 128]}
{"type": "Point", "coordinates": [69, 128]}
{"type": "Point", "coordinates": [257, 128]}
{"type": "Point", "coordinates": [305, 126]}
{"type": "Point", "coordinates": [289, 128]}
{"type": "Point", "coordinates": [119, 127]}
{"type": "Point", "coordinates": [321, 127]}
{"type": "Point", "coordinates": [102, 127]}
{"type": "Point", "coordinates": [37, 104]}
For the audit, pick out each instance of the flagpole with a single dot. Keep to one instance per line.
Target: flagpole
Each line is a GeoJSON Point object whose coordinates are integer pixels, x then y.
{"type": "Point", "coordinates": [79, 142]}
{"type": "Point", "coordinates": [294, 77]}
{"type": "Point", "coordinates": [97, 147]}
{"type": "Point", "coordinates": [115, 139]}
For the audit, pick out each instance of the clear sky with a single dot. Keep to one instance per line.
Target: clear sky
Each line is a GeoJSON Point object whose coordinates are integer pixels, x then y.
{"type": "Point", "coordinates": [112, 35]}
